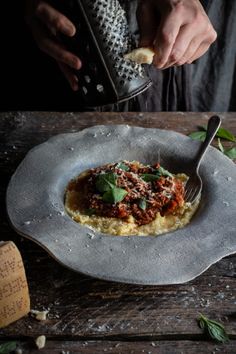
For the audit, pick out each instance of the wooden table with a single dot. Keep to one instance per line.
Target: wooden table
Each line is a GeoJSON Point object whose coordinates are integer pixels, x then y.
{"type": "Point", "coordinates": [92, 316]}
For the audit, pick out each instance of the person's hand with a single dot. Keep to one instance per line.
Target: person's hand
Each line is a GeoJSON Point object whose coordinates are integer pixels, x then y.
{"type": "Point", "coordinates": [46, 24]}
{"type": "Point", "coordinates": [179, 30]}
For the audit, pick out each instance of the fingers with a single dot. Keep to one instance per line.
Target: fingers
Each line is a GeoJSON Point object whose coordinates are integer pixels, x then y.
{"type": "Point", "coordinates": [199, 52]}
{"type": "Point", "coordinates": [184, 34]}
{"type": "Point", "coordinates": [58, 52]}
{"type": "Point", "coordinates": [55, 49]}
{"type": "Point", "coordinates": [147, 22]}
{"type": "Point", "coordinates": [45, 23]}
{"type": "Point", "coordinates": [184, 47]}
{"type": "Point", "coordinates": [70, 76]}
{"type": "Point", "coordinates": [188, 48]}
{"type": "Point", "coordinates": [165, 40]}
{"type": "Point", "coordinates": [54, 20]}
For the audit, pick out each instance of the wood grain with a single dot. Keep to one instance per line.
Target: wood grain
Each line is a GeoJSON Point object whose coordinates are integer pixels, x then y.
{"type": "Point", "coordinates": [86, 309]}
{"type": "Point", "coordinates": [114, 347]}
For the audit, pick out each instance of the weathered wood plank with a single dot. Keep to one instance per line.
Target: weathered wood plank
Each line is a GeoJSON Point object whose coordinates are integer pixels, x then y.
{"type": "Point", "coordinates": [140, 347]}
{"type": "Point", "coordinates": [81, 306]}
{"type": "Point", "coordinates": [85, 307]}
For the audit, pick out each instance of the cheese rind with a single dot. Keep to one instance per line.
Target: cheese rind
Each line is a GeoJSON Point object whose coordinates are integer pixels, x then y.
{"type": "Point", "coordinates": [14, 292]}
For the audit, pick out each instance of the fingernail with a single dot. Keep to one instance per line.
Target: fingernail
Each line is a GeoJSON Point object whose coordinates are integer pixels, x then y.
{"type": "Point", "coordinates": [76, 64]}
{"type": "Point", "coordinates": [75, 87]}
{"type": "Point", "coordinates": [69, 30]}
{"type": "Point", "coordinates": [159, 60]}
{"type": "Point", "coordinates": [159, 64]}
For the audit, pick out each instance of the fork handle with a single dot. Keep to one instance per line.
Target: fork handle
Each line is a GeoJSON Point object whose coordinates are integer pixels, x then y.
{"type": "Point", "coordinates": [212, 128]}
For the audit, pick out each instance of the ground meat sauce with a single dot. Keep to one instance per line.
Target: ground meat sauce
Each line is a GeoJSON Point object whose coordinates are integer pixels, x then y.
{"type": "Point", "coordinates": [148, 190]}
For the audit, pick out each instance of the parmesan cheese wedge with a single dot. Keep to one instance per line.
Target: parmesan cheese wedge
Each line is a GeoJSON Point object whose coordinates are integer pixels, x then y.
{"type": "Point", "coordinates": [141, 56]}
{"type": "Point", "coordinates": [14, 292]}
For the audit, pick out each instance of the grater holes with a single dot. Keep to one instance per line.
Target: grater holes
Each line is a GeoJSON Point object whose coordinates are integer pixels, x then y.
{"type": "Point", "coordinates": [87, 79]}
{"type": "Point", "coordinates": [109, 19]}
{"type": "Point", "coordinates": [100, 88]}
{"type": "Point", "coordinates": [85, 90]}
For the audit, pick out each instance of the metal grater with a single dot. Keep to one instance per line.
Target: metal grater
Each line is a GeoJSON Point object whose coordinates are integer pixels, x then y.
{"type": "Point", "coordinates": [101, 40]}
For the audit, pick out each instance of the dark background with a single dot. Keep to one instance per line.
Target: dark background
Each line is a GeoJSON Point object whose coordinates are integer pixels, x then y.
{"type": "Point", "coordinates": [30, 80]}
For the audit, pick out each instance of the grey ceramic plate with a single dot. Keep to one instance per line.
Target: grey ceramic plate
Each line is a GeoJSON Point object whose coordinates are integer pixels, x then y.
{"type": "Point", "coordinates": [35, 206]}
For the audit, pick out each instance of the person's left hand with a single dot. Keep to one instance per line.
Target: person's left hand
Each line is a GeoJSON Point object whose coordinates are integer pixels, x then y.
{"type": "Point", "coordinates": [46, 24]}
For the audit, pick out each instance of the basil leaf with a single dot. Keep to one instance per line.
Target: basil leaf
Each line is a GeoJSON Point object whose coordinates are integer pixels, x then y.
{"type": "Point", "coordinates": [114, 195]}
{"type": "Point", "coordinates": [164, 172]}
{"type": "Point", "coordinates": [90, 211]}
{"type": "Point", "coordinates": [231, 153]}
{"type": "Point", "coordinates": [217, 332]}
{"type": "Point", "coordinates": [122, 166]}
{"type": "Point", "coordinates": [8, 347]}
{"type": "Point", "coordinates": [149, 177]}
{"type": "Point", "coordinates": [142, 204]}
{"type": "Point", "coordinates": [201, 323]}
{"type": "Point", "coordinates": [223, 133]}
{"type": "Point", "coordinates": [198, 135]}
{"type": "Point", "coordinates": [221, 148]}
{"type": "Point", "coordinates": [106, 181]}
{"type": "Point", "coordinates": [214, 329]}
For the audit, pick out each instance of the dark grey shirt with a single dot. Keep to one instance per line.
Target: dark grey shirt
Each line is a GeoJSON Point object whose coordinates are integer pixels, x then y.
{"type": "Point", "coordinates": [207, 85]}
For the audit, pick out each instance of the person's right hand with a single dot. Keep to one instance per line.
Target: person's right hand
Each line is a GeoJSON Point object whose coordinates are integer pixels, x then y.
{"type": "Point", "coordinates": [179, 31]}
{"type": "Point", "coordinates": [46, 23]}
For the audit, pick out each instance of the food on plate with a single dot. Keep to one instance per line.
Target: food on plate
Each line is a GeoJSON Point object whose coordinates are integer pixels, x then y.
{"type": "Point", "coordinates": [141, 55]}
{"type": "Point", "coordinates": [129, 198]}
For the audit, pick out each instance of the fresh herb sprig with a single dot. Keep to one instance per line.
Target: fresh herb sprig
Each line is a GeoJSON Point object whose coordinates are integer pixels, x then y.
{"type": "Point", "coordinates": [162, 172]}
{"type": "Point", "coordinates": [201, 135]}
{"type": "Point", "coordinates": [122, 166]}
{"type": "Point", "coordinates": [148, 177]}
{"type": "Point", "coordinates": [142, 203]}
{"type": "Point", "coordinates": [90, 211]}
{"type": "Point", "coordinates": [213, 329]}
{"type": "Point", "coordinates": [159, 172]}
{"type": "Point", "coordinates": [7, 347]}
{"type": "Point", "coordinates": [221, 134]}
{"type": "Point", "coordinates": [106, 183]}
{"type": "Point", "coordinates": [231, 152]}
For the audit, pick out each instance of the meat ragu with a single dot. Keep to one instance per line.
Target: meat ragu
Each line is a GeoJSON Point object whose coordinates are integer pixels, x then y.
{"type": "Point", "coordinates": [123, 189]}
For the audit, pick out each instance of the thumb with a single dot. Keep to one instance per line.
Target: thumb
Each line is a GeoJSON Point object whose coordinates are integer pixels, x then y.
{"type": "Point", "coordinates": [147, 23]}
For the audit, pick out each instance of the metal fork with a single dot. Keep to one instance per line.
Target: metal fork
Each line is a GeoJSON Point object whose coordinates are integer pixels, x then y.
{"type": "Point", "coordinates": [193, 186]}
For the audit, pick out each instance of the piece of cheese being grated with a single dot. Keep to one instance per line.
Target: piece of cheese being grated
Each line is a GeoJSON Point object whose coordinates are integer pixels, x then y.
{"type": "Point", "coordinates": [141, 55]}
